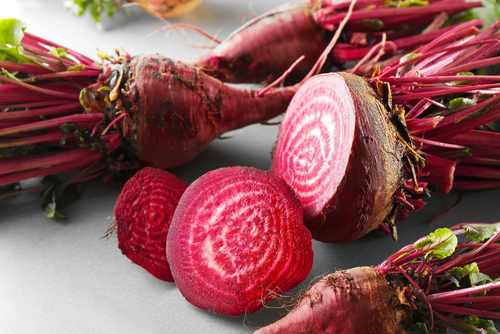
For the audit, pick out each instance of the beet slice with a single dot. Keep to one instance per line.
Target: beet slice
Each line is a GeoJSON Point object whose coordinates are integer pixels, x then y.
{"type": "Point", "coordinates": [143, 213]}
{"type": "Point", "coordinates": [338, 150]}
{"type": "Point", "coordinates": [237, 240]}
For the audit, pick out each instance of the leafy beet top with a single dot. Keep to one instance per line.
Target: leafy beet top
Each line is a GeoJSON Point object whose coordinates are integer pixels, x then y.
{"type": "Point", "coordinates": [143, 213]}
{"type": "Point", "coordinates": [237, 240]}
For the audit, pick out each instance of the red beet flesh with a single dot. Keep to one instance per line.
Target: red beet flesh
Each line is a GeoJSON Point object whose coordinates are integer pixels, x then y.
{"type": "Point", "coordinates": [143, 213]}
{"type": "Point", "coordinates": [237, 240]}
{"type": "Point", "coordinates": [338, 150]}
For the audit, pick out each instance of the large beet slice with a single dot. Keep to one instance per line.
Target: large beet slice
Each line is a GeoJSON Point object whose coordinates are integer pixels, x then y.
{"type": "Point", "coordinates": [143, 213]}
{"type": "Point", "coordinates": [338, 150]}
{"type": "Point", "coordinates": [237, 240]}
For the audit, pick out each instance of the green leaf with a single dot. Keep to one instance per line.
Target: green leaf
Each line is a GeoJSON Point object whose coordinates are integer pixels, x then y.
{"type": "Point", "coordinates": [374, 23]}
{"type": "Point", "coordinates": [440, 244]}
{"type": "Point", "coordinates": [489, 13]}
{"type": "Point", "coordinates": [461, 102]}
{"type": "Point", "coordinates": [418, 328]}
{"type": "Point", "coordinates": [408, 3]}
{"type": "Point", "coordinates": [11, 35]}
{"type": "Point", "coordinates": [461, 82]}
{"type": "Point", "coordinates": [58, 52]}
{"type": "Point", "coordinates": [480, 231]}
{"type": "Point", "coordinates": [95, 11]}
{"type": "Point", "coordinates": [487, 326]}
{"type": "Point", "coordinates": [79, 67]}
{"type": "Point", "coordinates": [110, 8]}
{"type": "Point", "coordinates": [405, 58]}
{"type": "Point", "coordinates": [76, 7]}
{"type": "Point", "coordinates": [57, 196]}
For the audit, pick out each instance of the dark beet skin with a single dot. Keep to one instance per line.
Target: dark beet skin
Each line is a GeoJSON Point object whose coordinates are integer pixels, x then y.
{"type": "Point", "coordinates": [355, 301]}
{"type": "Point", "coordinates": [174, 110]}
{"type": "Point", "coordinates": [365, 196]}
{"type": "Point", "coordinates": [264, 48]}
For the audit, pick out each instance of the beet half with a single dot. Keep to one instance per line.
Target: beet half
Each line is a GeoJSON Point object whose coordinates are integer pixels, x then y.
{"type": "Point", "coordinates": [338, 150]}
{"type": "Point", "coordinates": [237, 240]}
{"type": "Point", "coordinates": [362, 153]}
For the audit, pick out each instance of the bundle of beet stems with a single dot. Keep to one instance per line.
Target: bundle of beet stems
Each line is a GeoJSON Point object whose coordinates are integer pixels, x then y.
{"type": "Point", "coordinates": [436, 283]}
{"type": "Point", "coordinates": [361, 154]}
{"type": "Point", "coordinates": [265, 47]}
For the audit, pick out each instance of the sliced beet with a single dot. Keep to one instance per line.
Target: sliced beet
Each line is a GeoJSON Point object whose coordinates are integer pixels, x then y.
{"type": "Point", "coordinates": [143, 213]}
{"type": "Point", "coordinates": [338, 150]}
{"type": "Point", "coordinates": [237, 240]}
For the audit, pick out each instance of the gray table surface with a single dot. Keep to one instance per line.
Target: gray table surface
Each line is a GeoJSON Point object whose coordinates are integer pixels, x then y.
{"type": "Point", "coordinates": [64, 277]}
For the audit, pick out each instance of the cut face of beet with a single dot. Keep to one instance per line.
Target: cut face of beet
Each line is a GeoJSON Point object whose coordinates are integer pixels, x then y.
{"type": "Point", "coordinates": [338, 150]}
{"type": "Point", "coordinates": [237, 240]}
{"type": "Point", "coordinates": [143, 213]}
{"type": "Point", "coordinates": [315, 141]}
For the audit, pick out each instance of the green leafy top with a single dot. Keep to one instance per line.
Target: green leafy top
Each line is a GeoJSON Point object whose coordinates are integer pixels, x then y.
{"type": "Point", "coordinates": [440, 244]}
{"type": "Point", "coordinates": [11, 35]}
{"type": "Point", "coordinates": [78, 7]}
{"type": "Point", "coordinates": [480, 232]}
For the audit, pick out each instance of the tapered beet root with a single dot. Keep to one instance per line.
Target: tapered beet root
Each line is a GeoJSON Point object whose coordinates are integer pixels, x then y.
{"type": "Point", "coordinates": [265, 47]}
{"type": "Point", "coordinates": [338, 150]}
{"type": "Point", "coordinates": [128, 111]}
{"type": "Point", "coordinates": [355, 301]}
{"type": "Point", "coordinates": [143, 213]}
{"type": "Point", "coordinates": [436, 283]}
{"type": "Point", "coordinates": [237, 240]}
{"type": "Point", "coordinates": [174, 111]}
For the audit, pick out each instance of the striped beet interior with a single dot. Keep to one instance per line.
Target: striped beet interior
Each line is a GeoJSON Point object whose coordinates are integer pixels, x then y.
{"type": "Point", "coordinates": [314, 144]}
{"type": "Point", "coordinates": [237, 239]}
{"type": "Point", "coordinates": [143, 213]}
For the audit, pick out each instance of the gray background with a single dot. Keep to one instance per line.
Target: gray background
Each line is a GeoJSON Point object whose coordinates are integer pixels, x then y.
{"type": "Point", "coordinates": [62, 276]}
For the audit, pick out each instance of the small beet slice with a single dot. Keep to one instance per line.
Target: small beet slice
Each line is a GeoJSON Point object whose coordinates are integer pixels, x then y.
{"type": "Point", "coordinates": [237, 240]}
{"type": "Point", "coordinates": [143, 213]}
{"type": "Point", "coordinates": [338, 150]}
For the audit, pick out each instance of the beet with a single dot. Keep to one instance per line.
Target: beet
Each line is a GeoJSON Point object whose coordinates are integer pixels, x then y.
{"type": "Point", "coordinates": [127, 111]}
{"type": "Point", "coordinates": [265, 47]}
{"type": "Point", "coordinates": [237, 240]}
{"type": "Point", "coordinates": [362, 153]}
{"type": "Point", "coordinates": [143, 213]}
{"type": "Point", "coordinates": [426, 287]}
{"type": "Point", "coordinates": [178, 110]}
{"type": "Point", "coordinates": [338, 150]}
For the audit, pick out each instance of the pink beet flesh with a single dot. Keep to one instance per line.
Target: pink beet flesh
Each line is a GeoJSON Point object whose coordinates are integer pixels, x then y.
{"type": "Point", "coordinates": [143, 213]}
{"type": "Point", "coordinates": [339, 151]}
{"type": "Point", "coordinates": [315, 141]}
{"type": "Point", "coordinates": [237, 240]}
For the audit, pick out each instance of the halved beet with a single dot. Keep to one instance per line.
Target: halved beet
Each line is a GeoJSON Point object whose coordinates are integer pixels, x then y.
{"type": "Point", "coordinates": [143, 213]}
{"type": "Point", "coordinates": [237, 240]}
{"type": "Point", "coordinates": [338, 150]}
